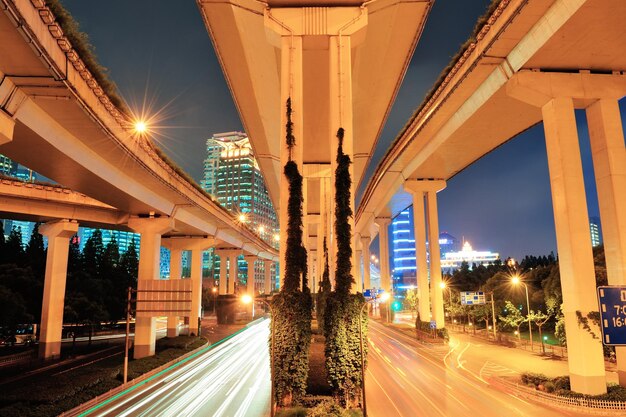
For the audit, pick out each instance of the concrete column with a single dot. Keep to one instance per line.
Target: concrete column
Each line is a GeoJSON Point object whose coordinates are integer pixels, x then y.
{"type": "Point", "coordinates": [383, 240]}
{"type": "Point", "coordinates": [58, 234]}
{"type": "Point", "coordinates": [421, 259]}
{"type": "Point", "coordinates": [251, 284]}
{"type": "Point", "coordinates": [436, 292]}
{"type": "Point", "coordinates": [232, 272]}
{"type": "Point", "coordinates": [609, 161]}
{"type": "Point", "coordinates": [320, 243]}
{"type": "Point", "coordinates": [340, 116]}
{"type": "Point", "coordinates": [175, 273]}
{"type": "Point", "coordinates": [151, 230]}
{"type": "Point", "coordinates": [7, 125]}
{"type": "Point", "coordinates": [196, 289]}
{"type": "Point", "coordinates": [365, 251]}
{"type": "Point", "coordinates": [586, 363]}
{"type": "Point", "coordinates": [267, 276]}
{"type": "Point", "coordinates": [290, 87]}
{"type": "Point", "coordinates": [223, 287]}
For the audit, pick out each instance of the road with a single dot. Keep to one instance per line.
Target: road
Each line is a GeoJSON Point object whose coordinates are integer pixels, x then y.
{"type": "Point", "coordinates": [406, 379]}
{"type": "Point", "coordinates": [230, 379]}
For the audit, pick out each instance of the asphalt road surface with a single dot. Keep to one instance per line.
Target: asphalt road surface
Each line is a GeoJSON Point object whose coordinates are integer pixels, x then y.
{"type": "Point", "coordinates": [405, 379]}
{"type": "Point", "coordinates": [231, 379]}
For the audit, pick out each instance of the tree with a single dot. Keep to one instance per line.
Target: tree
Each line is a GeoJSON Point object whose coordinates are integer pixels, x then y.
{"type": "Point", "coordinates": [13, 247]}
{"type": "Point", "coordinates": [36, 253]}
{"type": "Point", "coordinates": [513, 318]}
{"type": "Point", "coordinates": [540, 318]}
{"type": "Point", "coordinates": [412, 300]}
{"type": "Point", "coordinates": [482, 312]}
{"type": "Point", "coordinates": [92, 253]}
{"type": "Point", "coordinates": [129, 266]}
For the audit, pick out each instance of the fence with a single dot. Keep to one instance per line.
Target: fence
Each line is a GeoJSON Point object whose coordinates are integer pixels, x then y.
{"type": "Point", "coordinates": [592, 405]}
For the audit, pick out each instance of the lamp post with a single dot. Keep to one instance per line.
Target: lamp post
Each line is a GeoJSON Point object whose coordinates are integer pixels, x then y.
{"type": "Point", "coordinates": [515, 280]}
{"type": "Point", "coordinates": [493, 316]}
{"type": "Point", "coordinates": [246, 299]}
{"type": "Point", "coordinates": [362, 359]}
{"type": "Point", "coordinates": [214, 291]}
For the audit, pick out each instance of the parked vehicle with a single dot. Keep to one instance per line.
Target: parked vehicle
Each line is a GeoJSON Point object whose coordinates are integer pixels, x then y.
{"type": "Point", "coordinates": [20, 335]}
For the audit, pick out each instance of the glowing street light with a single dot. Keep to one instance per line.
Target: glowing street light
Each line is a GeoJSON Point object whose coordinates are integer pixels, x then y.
{"type": "Point", "coordinates": [242, 218]}
{"type": "Point", "coordinates": [515, 280]}
{"type": "Point", "coordinates": [442, 285]}
{"type": "Point", "coordinates": [140, 126]}
{"type": "Point", "coordinates": [276, 237]}
{"type": "Point", "coordinates": [261, 229]}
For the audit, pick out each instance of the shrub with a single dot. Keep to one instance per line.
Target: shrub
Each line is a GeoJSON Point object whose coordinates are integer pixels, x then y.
{"type": "Point", "coordinates": [533, 379]}
{"type": "Point", "coordinates": [292, 412]}
{"type": "Point", "coordinates": [331, 409]}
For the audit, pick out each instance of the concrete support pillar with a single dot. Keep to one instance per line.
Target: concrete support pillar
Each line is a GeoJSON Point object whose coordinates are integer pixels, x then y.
{"type": "Point", "coordinates": [151, 230]}
{"type": "Point", "coordinates": [383, 239]}
{"type": "Point", "coordinates": [365, 251]}
{"type": "Point", "coordinates": [586, 363]}
{"type": "Point", "coordinates": [320, 243]}
{"type": "Point", "coordinates": [233, 271]}
{"type": "Point", "coordinates": [340, 116]}
{"type": "Point", "coordinates": [267, 276]}
{"type": "Point", "coordinates": [223, 287]}
{"type": "Point", "coordinates": [251, 284]}
{"type": "Point", "coordinates": [175, 273]}
{"type": "Point", "coordinates": [196, 290]}
{"type": "Point", "coordinates": [609, 161]}
{"type": "Point", "coordinates": [7, 125]}
{"type": "Point", "coordinates": [421, 259]}
{"type": "Point", "coordinates": [436, 292]}
{"type": "Point", "coordinates": [290, 87]}
{"type": "Point", "coordinates": [58, 234]}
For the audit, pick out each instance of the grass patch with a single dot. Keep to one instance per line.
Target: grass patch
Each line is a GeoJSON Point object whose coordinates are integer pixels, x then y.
{"type": "Point", "coordinates": [54, 394]}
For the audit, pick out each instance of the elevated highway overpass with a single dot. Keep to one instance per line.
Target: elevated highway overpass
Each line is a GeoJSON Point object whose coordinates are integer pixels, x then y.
{"type": "Point", "coordinates": [340, 62]}
{"type": "Point", "coordinates": [532, 62]}
{"type": "Point", "coordinates": [57, 119]}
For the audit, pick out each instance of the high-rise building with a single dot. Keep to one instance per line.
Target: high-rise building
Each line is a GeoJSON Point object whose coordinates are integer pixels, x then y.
{"type": "Point", "coordinates": [232, 175]}
{"type": "Point", "coordinates": [453, 260]}
{"type": "Point", "coordinates": [123, 239]}
{"type": "Point", "coordinates": [596, 231]}
{"type": "Point", "coordinates": [8, 167]}
{"type": "Point", "coordinates": [403, 249]}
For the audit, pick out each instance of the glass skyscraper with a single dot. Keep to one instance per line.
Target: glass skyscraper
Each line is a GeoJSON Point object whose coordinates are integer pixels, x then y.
{"type": "Point", "coordinates": [233, 177]}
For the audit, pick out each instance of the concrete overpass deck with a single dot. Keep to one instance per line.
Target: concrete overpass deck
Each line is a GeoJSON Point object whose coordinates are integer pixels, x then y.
{"type": "Point", "coordinates": [57, 120]}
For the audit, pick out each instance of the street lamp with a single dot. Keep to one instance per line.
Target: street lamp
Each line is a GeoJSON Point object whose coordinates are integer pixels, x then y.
{"type": "Point", "coordinates": [362, 358]}
{"type": "Point", "coordinates": [140, 126]}
{"type": "Point", "coordinates": [247, 299]}
{"type": "Point", "coordinates": [515, 280]}
{"type": "Point", "coordinates": [214, 291]}
{"type": "Point", "coordinates": [242, 218]}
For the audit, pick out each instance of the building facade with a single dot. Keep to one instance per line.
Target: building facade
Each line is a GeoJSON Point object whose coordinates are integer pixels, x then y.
{"type": "Point", "coordinates": [233, 177]}
{"type": "Point", "coordinates": [596, 231]}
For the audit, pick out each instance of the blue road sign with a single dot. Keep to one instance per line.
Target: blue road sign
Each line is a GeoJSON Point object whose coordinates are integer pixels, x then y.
{"type": "Point", "coordinates": [470, 298]}
{"type": "Point", "coordinates": [612, 300]}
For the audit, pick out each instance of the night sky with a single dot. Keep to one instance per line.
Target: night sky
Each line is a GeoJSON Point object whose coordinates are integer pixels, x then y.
{"type": "Point", "coordinates": [159, 53]}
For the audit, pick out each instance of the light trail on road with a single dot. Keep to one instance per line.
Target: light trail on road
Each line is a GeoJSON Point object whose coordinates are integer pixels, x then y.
{"type": "Point", "coordinates": [405, 380]}
{"type": "Point", "coordinates": [228, 380]}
